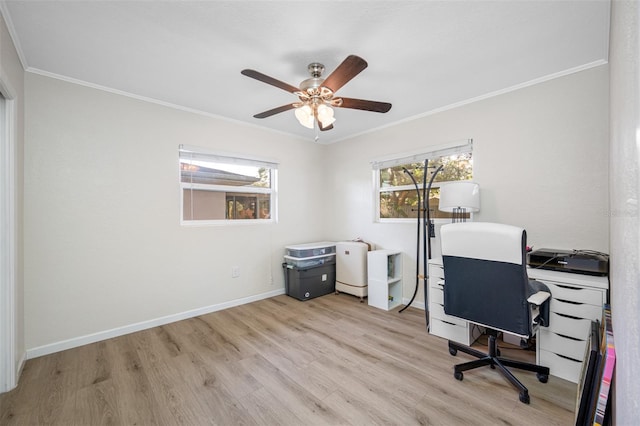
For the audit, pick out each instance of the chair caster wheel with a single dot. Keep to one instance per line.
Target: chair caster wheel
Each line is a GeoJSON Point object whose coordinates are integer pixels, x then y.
{"type": "Point", "coordinates": [524, 397]}
{"type": "Point", "coordinates": [493, 367]}
{"type": "Point", "coordinates": [542, 377]}
{"type": "Point", "coordinates": [458, 375]}
{"type": "Point", "coordinates": [453, 351]}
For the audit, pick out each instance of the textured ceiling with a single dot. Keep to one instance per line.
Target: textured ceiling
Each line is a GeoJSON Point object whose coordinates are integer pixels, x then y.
{"type": "Point", "coordinates": [423, 55]}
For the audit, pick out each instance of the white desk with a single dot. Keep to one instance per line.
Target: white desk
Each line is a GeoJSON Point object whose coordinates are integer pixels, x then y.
{"type": "Point", "coordinates": [576, 300]}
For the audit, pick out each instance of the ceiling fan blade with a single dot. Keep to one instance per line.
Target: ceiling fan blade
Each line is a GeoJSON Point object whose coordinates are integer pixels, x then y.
{"type": "Point", "coordinates": [365, 105]}
{"type": "Point", "coordinates": [274, 111]}
{"type": "Point", "coordinates": [348, 69]}
{"type": "Point", "coordinates": [270, 80]}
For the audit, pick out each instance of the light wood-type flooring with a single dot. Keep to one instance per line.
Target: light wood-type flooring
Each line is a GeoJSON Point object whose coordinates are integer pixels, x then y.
{"type": "Point", "coordinates": [279, 361]}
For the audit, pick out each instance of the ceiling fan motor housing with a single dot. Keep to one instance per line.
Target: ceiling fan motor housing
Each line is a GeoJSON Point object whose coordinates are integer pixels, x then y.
{"type": "Point", "coordinates": [311, 83]}
{"type": "Point", "coordinates": [315, 69]}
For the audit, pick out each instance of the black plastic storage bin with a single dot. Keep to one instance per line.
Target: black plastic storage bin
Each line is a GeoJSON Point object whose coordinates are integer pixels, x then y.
{"type": "Point", "coordinates": [307, 283]}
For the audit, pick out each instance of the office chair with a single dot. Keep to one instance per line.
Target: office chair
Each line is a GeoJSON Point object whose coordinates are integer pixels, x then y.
{"type": "Point", "coordinates": [486, 283]}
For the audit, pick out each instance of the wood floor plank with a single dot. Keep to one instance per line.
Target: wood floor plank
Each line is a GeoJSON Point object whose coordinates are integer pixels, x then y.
{"type": "Point", "coordinates": [98, 404]}
{"type": "Point", "coordinates": [129, 376]}
{"type": "Point", "coordinates": [326, 361]}
{"type": "Point", "coordinates": [292, 397]}
{"type": "Point", "coordinates": [216, 327]}
{"type": "Point", "coordinates": [218, 403]}
{"type": "Point", "coordinates": [266, 409]}
{"type": "Point", "coordinates": [54, 402]}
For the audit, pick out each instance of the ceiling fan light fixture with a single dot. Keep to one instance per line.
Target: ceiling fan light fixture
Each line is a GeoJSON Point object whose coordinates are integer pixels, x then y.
{"type": "Point", "coordinates": [304, 114]}
{"type": "Point", "coordinates": [316, 98]}
{"type": "Point", "coordinates": [325, 115]}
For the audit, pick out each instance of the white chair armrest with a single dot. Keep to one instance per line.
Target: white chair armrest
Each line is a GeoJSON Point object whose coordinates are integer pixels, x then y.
{"type": "Point", "coordinates": [539, 298]}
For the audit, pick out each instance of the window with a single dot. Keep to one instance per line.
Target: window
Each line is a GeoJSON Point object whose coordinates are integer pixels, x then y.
{"type": "Point", "coordinates": [220, 189]}
{"type": "Point", "coordinates": [395, 192]}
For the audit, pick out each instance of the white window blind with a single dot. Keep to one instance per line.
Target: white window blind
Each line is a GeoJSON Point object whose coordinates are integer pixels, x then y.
{"type": "Point", "coordinates": [194, 153]}
{"type": "Point", "coordinates": [435, 151]}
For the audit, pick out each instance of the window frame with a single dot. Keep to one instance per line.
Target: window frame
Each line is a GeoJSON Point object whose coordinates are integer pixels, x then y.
{"type": "Point", "coordinates": [203, 154]}
{"type": "Point", "coordinates": [434, 152]}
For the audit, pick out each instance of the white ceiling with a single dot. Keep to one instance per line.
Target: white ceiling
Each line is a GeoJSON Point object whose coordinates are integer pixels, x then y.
{"type": "Point", "coordinates": [423, 55]}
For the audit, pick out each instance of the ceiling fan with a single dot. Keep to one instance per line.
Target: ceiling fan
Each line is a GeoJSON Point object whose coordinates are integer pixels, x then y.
{"type": "Point", "coordinates": [316, 95]}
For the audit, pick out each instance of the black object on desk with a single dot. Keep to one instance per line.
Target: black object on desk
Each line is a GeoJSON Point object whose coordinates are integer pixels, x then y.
{"type": "Point", "coordinates": [586, 262]}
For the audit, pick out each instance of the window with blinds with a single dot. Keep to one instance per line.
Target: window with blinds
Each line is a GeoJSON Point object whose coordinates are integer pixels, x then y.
{"type": "Point", "coordinates": [395, 192]}
{"type": "Point", "coordinates": [224, 188]}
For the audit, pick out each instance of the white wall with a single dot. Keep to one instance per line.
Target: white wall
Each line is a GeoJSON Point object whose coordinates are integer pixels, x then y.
{"type": "Point", "coordinates": [104, 248]}
{"type": "Point", "coordinates": [540, 157]}
{"type": "Point", "coordinates": [625, 187]}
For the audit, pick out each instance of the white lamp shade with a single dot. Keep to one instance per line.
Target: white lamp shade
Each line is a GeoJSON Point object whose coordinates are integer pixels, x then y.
{"type": "Point", "coordinates": [460, 195]}
{"type": "Point", "coordinates": [304, 114]}
{"type": "Point", "coordinates": [325, 115]}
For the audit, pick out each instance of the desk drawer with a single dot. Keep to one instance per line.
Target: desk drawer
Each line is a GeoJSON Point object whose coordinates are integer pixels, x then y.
{"type": "Point", "coordinates": [436, 283]}
{"type": "Point", "coordinates": [562, 345]}
{"type": "Point", "coordinates": [437, 311]}
{"type": "Point", "coordinates": [436, 295]}
{"type": "Point", "coordinates": [449, 331]}
{"type": "Point", "coordinates": [560, 366]}
{"type": "Point", "coordinates": [578, 310]}
{"type": "Point", "coordinates": [577, 328]}
{"type": "Point", "coordinates": [575, 293]}
{"type": "Point", "coordinates": [436, 271]}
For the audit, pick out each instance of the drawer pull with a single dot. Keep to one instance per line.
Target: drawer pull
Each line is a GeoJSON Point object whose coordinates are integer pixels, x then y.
{"type": "Point", "coordinates": [568, 316]}
{"type": "Point", "coordinates": [571, 302]}
{"type": "Point", "coordinates": [569, 287]}
{"type": "Point", "coordinates": [569, 337]}
{"type": "Point", "coordinates": [447, 322]}
{"type": "Point", "coordinates": [569, 358]}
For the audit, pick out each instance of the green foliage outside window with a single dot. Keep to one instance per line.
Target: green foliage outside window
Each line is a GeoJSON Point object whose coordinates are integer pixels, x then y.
{"type": "Point", "coordinates": [398, 198]}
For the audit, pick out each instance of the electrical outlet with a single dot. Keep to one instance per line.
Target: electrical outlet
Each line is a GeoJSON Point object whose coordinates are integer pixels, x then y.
{"type": "Point", "coordinates": [235, 271]}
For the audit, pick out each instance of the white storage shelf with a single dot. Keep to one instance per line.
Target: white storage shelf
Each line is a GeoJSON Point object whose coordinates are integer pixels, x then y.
{"type": "Point", "coordinates": [384, 272]}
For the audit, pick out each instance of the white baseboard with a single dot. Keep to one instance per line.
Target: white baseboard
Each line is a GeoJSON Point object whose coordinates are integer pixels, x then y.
{"type": "Point", "coordinates": [23, 359]}
{"type": "Point", "coordinates": [132, 328]}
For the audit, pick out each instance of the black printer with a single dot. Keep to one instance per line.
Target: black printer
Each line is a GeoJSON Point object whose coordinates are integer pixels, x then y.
{"type": "Point", "coordinates": [586, 262]}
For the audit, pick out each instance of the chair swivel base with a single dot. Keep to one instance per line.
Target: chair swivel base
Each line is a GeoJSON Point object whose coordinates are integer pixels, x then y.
{"type": "Point", "coordinates": [494, 360]}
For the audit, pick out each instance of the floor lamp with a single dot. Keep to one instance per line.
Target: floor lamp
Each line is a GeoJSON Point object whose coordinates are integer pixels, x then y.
{"type": "Point", "coordinates": [459, 198]}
